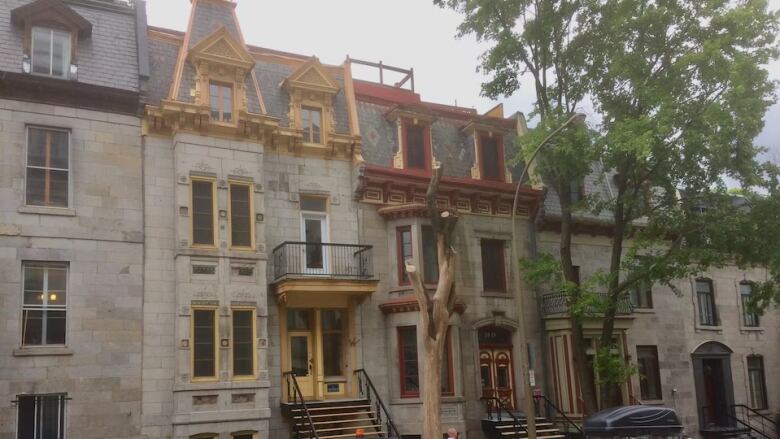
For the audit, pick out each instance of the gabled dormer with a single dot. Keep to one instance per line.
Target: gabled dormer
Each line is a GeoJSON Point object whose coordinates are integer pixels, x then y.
{"type": "Point", "coordinates": [415, 152]}
{"type": "Point", "coordinates": [222, 64]}
{"type": "Point", "coordinates": [52, 31]}
{"type": "Point", "coordinates": [488, 134]}
{"type": "Point", "coordinates": [312, 90]}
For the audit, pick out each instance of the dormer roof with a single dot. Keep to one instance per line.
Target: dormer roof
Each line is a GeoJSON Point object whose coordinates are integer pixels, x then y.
{"type": "Point", "coordinates": [222, 47]}
{"type": "Point", "coordinates": [311, 75]}
{"type": "Point", "coordinates": [52, 11]}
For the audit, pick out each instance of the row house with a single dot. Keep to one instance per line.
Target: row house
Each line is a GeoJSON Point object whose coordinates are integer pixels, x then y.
{"type": "Point", "coordinates": [71, 219]}
{"type": "Point", "coordinates": [199, 235]}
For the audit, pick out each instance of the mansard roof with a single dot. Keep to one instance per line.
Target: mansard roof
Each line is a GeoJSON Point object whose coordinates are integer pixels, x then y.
{"type": "Point", "coordinates": [51, 11]}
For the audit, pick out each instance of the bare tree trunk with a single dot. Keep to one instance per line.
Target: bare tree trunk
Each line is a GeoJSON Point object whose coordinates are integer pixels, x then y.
{"type": "Point", "coordinates": [583, 370]}
{"type": "Point", "coordinates": [435, 310]}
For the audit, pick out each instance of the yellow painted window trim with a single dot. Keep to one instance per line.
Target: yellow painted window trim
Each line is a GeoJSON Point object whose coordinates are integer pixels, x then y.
{"type": "Point", "coordinates": [254, 344]}
{"type": "Point", "coordinates": [238, 433]}
{"type": "Point", "coordinates": [316, 106]}
{"type": "Point", "coordinates": [252, 225]}
{"type": "Point", "coordinates": [215, 377]}
{"type": "Point", "coordinates": [214, 211]}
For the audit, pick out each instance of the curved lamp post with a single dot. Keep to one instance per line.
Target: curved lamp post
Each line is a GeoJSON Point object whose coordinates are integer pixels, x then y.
{"type": "Point", "coordinates": [530, 414]}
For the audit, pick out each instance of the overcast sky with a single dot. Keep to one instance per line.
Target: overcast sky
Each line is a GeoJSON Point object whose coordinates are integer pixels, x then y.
{"type": "Point", "coordinates": [404, 33]}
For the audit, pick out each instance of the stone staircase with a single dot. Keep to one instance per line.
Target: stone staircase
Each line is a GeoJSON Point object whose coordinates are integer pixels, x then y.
{"type": "Point", "coordinates": [336, 419]}
{"type": "Point", "coordinates": [509, 429]}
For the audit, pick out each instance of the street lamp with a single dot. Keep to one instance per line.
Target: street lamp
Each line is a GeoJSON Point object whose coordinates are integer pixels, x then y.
{"type": "Point", "coordinates": [530, 414]}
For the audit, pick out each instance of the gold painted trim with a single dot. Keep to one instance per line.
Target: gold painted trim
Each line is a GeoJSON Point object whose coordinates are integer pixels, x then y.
{"type": "Point", "coordinates": [215, 377]}
{"type": "Point", "coordinates": [252, 224]}
{"type": "Point", "coordinates": [215, 213]}
{"type": "Point", "coordinates": [253, 376]}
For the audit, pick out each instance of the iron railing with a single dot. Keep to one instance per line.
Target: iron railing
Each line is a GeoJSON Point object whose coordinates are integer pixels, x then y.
{"type": "Point", "coordinates": [367, 391]}
{"type": "Point", "coordinates": [495, 410]}
{"type": "Point", "coordinates": [295, 396]}
{"type": "Point", "coordinates": [323, 259]}
{"type": "Point", "coordinates": [547, 409]}
{"type": "Point", "coordinates": [759, 423]}
{"type": "Point", "coordinates": [558, 303]}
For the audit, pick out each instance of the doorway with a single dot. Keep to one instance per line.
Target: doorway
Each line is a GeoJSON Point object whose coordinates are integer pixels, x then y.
{"type": "Point", "coordinates": [714, 385]}
{"type": "Point", "coordinates": [495, 365]}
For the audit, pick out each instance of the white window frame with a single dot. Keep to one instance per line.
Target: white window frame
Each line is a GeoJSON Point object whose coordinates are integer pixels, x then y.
{"type": "Point", "coordinates": [66, 55]}
{"type": "Point", "coordinates": [69, 133]}
{"type": "Point", "coordinates": [45, 306]}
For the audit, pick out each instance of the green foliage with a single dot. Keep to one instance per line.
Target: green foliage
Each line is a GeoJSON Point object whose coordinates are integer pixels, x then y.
{"type": "Point", "coordinates": [611, 368]}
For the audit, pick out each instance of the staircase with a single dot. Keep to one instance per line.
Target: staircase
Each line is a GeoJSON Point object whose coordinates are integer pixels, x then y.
{"type": "Point", "coordinates": [338, 419]}
{"type": "Point", "coordinates": [501, 423]}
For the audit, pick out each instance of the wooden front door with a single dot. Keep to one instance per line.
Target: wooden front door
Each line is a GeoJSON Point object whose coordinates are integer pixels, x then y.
{"type": "Point", "coordinates": [302, 360]}
{"type": "Point", "coordinates": [496, 372]}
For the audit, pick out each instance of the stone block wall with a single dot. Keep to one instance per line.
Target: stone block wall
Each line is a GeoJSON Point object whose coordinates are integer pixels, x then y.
{"type": "Point", "coordinates": [100, 238]}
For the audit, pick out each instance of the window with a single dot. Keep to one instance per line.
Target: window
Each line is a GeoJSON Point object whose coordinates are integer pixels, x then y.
{"type": "Point", "coordinates": [490, 157]}
{"type": "Point", "coordinates": [243, 342]}
{"type": "Point", "coordinates": [447, 379]}
{"type": "Point", "coordinates": [311, 124]}
{"type": "Point", "coordinates": [430, 255]}
{"type": "Point", "coordinates": [203, 218]}
{"type": "Point", "coordinates": [407, 359]}
{"type": "Point", "coordinates": [244, 435]}
{"type": "Point", "coordinates": [221, 102]}
{"type": "Point", "coordinates": [493, 276]}
{"type": "Point", "coordinates": [50, 52]}
{"type": "Point", "coordinates": [41, 416]}
{"type": "Point", "coordinates": [415, 146]}
{"type": "Point", "coordinates": [204, 343]}
{"type": "Point", "coordinates": [577, 189]}
{"type": "Point", "coordinates": [44, 306]}
{"type": "Point", "coordinates": [404, 252]}
{"type": "Point", "coordinates": [757, 382]}
{"type": "Point", "coordinates": [649, 372]}
{"type": "Point", "coordinates": [750, 318]}
{"type": "Point", "coordinates": [708, 315]}
{"type": "Point", "coordinates": [48, 164]}
{"type": "Point", "coordinates": [241, 230]}
{"type": "Point", "coordinates": [332, 341]}
{"type": "Point", "coordinates": [641, 295]}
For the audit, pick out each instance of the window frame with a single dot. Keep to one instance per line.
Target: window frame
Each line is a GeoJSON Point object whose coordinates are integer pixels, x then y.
{"type": "Point", "coordinates": [402, 362]}
{"type": "Point", "coordinates": [63, 308]}
{"type": "Point", "coordinates": [62, 411]}
{"type": "Point", "coordinates": [642, 289]}
{"type": "Point", "coordinates": [214, 310]}
{"type": "Point", "coordinates": [653, 349]}
{"type": "Point", "coordinates": [253, 343]}
{"type": "Point", "coordinates": [243, 433]}
{"type": "Point", "coordinates": [502, 266]}
{"type": "Point", "coordinates": [762, 375]}
{"type": "Point", "coordinates": [69, 52]}
{"type": "Point", "coordinates": [423, 230]}
{"type": "Point", "coordinates": [715, 317]}
{"type": "Point", "coordinates": [750, 320]}
{"type": "Point", "coordinates": [449, 362]}
{"type": "Point", "coordinates": [401, 271]}
{"type": "Point", "coordinates": [321, 111]}
{"type": "Point", "coordinates": [69, 133]}
{"type": "Point", "coordinates": [426, 145]}
{"type": "Point", "coordinates": [481, 137]}
{"type": "Point", "coordinates": [214, 212]}
{"type": "Point", "coordinates": [251, 206]}
{"type": "Point", "coordinates": [221, 86]}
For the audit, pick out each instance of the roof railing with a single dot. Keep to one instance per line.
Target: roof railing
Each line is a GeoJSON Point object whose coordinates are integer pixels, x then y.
{"type": "Point", "coordinates": [408, 73]}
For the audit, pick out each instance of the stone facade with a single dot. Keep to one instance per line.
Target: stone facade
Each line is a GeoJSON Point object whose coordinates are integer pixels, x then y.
{"type": "Point", "coordinates": [136, 275]}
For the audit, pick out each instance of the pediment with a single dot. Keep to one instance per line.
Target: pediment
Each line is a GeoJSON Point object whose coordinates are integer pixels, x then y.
{"type": "Point", "coordinates": [312, 75]}
{"type": "Point", "coordinates": [222, 47]}
{"type": "Point", "coordinates": [51, 11]}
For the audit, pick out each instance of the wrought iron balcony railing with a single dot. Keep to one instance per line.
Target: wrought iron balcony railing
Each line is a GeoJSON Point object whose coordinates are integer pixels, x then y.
{"type": "Point", "coordinates": [558, 303]}
{"type": "Point", "coordinates": [323, 259]}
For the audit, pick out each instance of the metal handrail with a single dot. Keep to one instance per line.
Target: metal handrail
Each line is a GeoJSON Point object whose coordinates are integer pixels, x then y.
{"type": "Point", "coordinates": [328, 259]}
{"type": "Point", "coordinates": [560, 414]}
{"type": "Point", "coordinates": [490, 400]}
{"type": "Point", "coordinates": [747, 412]}
{"type": "Point", "coordinates": [291, 380]}
{"type": "Point", "coordinates": [367, 389]}
{"type": "Point", "coordinates": [558, 303]}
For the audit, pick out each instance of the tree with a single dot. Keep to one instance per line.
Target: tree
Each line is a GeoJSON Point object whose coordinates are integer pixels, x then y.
{"type": "Point", "coordinates": [681, 91]}
{"type": "Point", "coordinates": [436, 308]}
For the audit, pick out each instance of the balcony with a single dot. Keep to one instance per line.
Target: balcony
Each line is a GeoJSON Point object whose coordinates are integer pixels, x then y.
{"type": "Point", "coordinates": [323, 260]}
{"type": "Point", "coordinates": [558, 303]}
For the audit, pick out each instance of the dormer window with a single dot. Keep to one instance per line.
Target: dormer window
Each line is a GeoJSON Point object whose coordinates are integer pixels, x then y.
{"type": "Point", "coordinates": [415, 146]}
{"type": "Point", "coordinates": [491, 158]}
{"type": "Point", "coordinates": [311, 123]}
{"type": "Point", "coordinates": [50, 52]}
{"type": "Point", "coordinates": [221, 102]}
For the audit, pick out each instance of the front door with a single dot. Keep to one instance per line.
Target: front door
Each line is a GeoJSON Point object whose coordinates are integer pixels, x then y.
{"type": "Point", "coordinates": [302, 361]}
{"type": "Point", "coordinates": [314, 231]}
{"type": "Point", "coordinates": [495, 365]}
{"type": "Point", "coordinates": [714, 384]}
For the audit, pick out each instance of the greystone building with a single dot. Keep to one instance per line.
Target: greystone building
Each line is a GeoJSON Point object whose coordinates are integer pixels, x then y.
{"type": "Point", "coordinates": [198, 235]}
